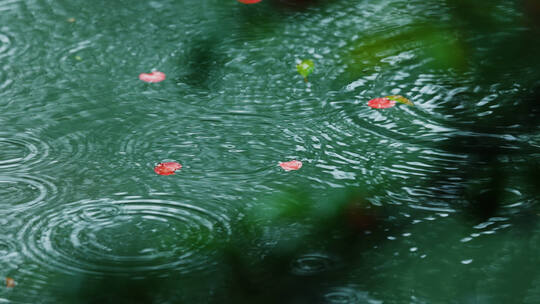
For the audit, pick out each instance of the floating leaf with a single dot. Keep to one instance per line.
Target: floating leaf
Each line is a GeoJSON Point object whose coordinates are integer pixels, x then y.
{"type": "Point", "coordinates": [154, 76]}
{"type": "Point", "coordinates": [71, 20]}
{"type": "Point", "coordinates": [291, 165]}
{"type": "Point", "coordinates": [249, 1]}
{"type": "Point", "coordinates": [305, 68]}
{"type": "Point", "coordinates": [10, 283]}
{"type": "Point", "coordinates": [381, 103]}
{"type": "Point", "coordinates": [167, 168]}
{"type": "Point", "coordinates": [400, 99]}
{"type": "Point", "coordinates": [78, 58]}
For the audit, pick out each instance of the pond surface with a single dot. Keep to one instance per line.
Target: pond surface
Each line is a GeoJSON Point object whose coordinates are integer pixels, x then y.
{"type": "Point", "coordinates": [444, 193]}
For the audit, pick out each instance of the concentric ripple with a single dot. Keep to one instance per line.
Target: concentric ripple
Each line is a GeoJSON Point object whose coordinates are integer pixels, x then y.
{"type": "Point", "coordinates": [129, 236]}
{"type": "Point", "coordinates": [348, 295]}
{"type": "Point", "coordinates": [6, 248]}
{"type": "Point", "coordinates": [21, 150]}
{"type": "Point", "coordinates": [311, 264]}
{"type": "Point", "coordinates": [9, 254]}
{"type": "Point", "coordinates": [21, 192]}
{"type": "Point", "coordinates": [5, 42]}
{"type": "Point", "coordinates": [217, 146]}
{"type": "Point", "coordinates": [5, 80]}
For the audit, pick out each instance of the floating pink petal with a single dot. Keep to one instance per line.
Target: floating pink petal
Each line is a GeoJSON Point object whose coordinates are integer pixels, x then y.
{"type": "Point", "coordinates": [381, 103]}
{"type": "Point", "coordinates": [249, 1]}
{"type": "Point", "coordinates": [167, 168]}
{"type": "Point", "coordinates": [154, 76]}
{"type": "Point", "coordinates": [291, 165]}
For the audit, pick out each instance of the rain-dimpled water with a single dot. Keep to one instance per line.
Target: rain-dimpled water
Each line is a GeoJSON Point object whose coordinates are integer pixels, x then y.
{"type": "Point", "coordinates": [287, 186]}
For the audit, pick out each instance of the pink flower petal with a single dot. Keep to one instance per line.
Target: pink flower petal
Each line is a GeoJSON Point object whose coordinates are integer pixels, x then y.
{"type": "Point", "coordinates": [249, 1]}
{"type": "Point", "coordinates": [155, 76]}
{"type": "Point", "coordinates": [167, 168]}
{"type": "Point", "coordinates": [381, 103]}
{"type": "Point", "coordinates": [291, 165]}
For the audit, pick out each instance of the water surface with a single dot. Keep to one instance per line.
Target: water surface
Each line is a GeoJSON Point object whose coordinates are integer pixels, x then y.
{"type": "Point", "coordinates": [453, 181]}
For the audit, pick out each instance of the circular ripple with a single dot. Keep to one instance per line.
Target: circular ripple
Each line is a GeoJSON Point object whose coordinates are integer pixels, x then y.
{"type": "Point", "coordinates": [347, 295]}
{"type": "Point", "coordinates": [311, 264]}
{"type": "Point", "coordinates": [6, 247]}
{"type": "Point", "coordinates": [22, 192]}
{"type": "Point", "coordinates": [118, 237]}
{"type": "Point", "coordinates": [21, 149]}
{"type": "Point", "coordinates": [5, 43]}
{"type": "Point", "coordinates": [5, 81]}
{"type": "Point", "coordinates": [341, 296]}
{"type": "Point", "coordinates": [70, 150]}
{"type": "Point", "coordinates": [9, 254]}
{"type": "Point", "coordinates": [218, 147]}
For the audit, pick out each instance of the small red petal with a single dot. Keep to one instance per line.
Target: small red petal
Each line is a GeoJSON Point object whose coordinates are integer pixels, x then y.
{"type": "Point", "coordinates": [155, 76]}
{"type": "Point", "coordinates": [249, 1]}
{"type": "Point", "coordinates": [167, 168]}
{"type": "Point", "coordinates": [381, 103]}
{"type": "Point", "coordinates": [291, 165]}
{"type": "Point", "coordinates": [10, 283]}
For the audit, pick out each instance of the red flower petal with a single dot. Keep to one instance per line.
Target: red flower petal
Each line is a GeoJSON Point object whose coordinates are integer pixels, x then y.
{"type": "Point", "coordinates": [249, 1]}
{"type": "Point", "coordinates": [167, 168]}
{"type": "Point", "coordinates": [291, 165]}
{"type": "Point", "coordinates": [381, 103]}
{"type": "Point", "coordinates": [155, 76]}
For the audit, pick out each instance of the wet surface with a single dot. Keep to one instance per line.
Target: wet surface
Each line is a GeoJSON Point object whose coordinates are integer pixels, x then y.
{"type": "Point", "coordinates": [456, 175]}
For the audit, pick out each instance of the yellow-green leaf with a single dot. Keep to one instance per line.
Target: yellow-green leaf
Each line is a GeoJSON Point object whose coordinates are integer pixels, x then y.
{"type": "Point", "coordinates": [400, 99]}
{"type": "Point", "coordinates": [305, 67]}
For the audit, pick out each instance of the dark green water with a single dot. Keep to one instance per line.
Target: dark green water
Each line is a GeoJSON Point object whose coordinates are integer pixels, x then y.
{"type": "Point", "coordinates": [445, 203]}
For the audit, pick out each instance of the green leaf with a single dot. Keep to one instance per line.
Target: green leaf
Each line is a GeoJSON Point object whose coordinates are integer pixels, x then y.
{"type": "Point", "coordinates": [305, 68]}
{"type": "Point", "coordinates": [401, 99]}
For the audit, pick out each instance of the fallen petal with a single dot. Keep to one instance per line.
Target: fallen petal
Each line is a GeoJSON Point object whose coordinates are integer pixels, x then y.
{"type": "Point", "coordinates": [249, 1]}
{"type": "Point", "coordinates": [167, 168]}
{"type": "Point", "coordinates": [291, 165]}
{"type": "Point", "coordinates": [155, 76]}
{"type": "Point", "coordinates": [10, 283]}
{"type": "Point", "coordinates": [381, 103]}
